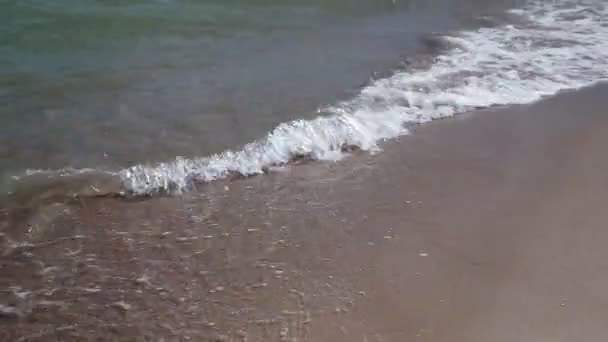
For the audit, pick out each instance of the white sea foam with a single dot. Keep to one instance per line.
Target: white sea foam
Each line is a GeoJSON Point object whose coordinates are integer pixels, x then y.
{"type": "Point", "coordinates": [561, 46]}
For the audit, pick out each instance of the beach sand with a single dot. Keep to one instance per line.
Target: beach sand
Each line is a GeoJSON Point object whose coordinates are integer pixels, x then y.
{"type": "Point", "coordinates": [487, 227]}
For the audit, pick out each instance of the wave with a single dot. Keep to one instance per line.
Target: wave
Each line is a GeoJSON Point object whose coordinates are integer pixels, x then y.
{"type": "Point", "coordinates": [552, 47]}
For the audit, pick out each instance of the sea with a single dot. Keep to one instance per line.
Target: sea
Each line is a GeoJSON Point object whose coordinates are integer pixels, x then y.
{"type": "Point", "coordinates": [135, 98]}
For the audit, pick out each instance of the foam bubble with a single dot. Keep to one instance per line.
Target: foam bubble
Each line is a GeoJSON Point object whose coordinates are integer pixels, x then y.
{"type": "Point", "coordinates": [559, 47]}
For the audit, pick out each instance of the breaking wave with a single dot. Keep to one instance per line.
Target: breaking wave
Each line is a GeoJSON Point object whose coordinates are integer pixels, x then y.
{"type": "Point", "coordinates": [549, 48]}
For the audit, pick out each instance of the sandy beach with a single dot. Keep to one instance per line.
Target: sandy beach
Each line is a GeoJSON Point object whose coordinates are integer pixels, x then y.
{"type": "Point", "coordinates": [487, 227]}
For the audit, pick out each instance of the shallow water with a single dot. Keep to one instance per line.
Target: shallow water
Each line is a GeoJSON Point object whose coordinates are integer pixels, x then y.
{"type": "Point", "coordinates": [142, 83]}
{"type": "Point", "coordinates": [94, 83]}
{"type": "Point", "coordinates": [108, 84]}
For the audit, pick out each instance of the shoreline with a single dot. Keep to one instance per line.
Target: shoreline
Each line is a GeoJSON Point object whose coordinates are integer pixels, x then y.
{"type": "Point", "coordinates": [542, 52]}
{"type": "Point", "coordinates": [488, 226]}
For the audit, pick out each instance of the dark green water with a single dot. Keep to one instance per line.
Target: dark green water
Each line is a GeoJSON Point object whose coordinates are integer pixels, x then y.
{"type": "Point", "coordinates": [107, 84]}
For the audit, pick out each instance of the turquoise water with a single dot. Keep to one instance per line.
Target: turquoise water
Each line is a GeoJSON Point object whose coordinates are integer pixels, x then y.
{"type": "Point", "coordinates": [108, 84]}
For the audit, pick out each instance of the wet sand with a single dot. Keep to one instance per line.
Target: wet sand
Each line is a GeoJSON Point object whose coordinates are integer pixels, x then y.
{"type": "Point", "coordinates": [487, 227]}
